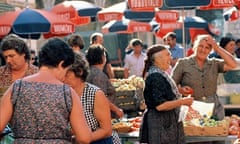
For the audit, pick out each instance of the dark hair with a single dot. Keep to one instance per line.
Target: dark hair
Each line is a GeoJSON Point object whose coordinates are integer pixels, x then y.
{"type": "Point", "coordinates": [54, 51]}
{"type": "Point", "coordinates": [225, 40]}
{"type": "Point", "coordinates": [171, 34]}
{"type": "Point", "coordinates": [150, 56]}
{"type": "Point", "coordinates": [14, 42]}
{"type": "Point", "coordinates": [136, 42]}
{"type": "Point", "coordinates": [94, 36]}
{"type": "Point", "coordinates": [94, 54]}
{"type": "Point", "coordinates": [76, 40]}
{"type": "Point", "coordinates": [32, 51]}
{"type": "Point", "coordinates": [80, 67]}
{"type": "Point", "coordinates": [237, 41]}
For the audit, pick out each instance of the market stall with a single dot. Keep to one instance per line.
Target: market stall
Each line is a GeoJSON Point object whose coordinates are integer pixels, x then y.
{"type": "Point", "coordinates": [198, 125]}
{"type": "Point", "coordinates": [128, 130]}
{"type": "Point", "coordinates": [196, 128]}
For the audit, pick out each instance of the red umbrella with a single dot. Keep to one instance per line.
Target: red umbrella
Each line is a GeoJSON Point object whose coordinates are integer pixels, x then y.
{"type": "Point", "coordinates": [114, 12]}
{"type": "Point", "coordinates": [126, 26]}
{"type": "Point", "coordinates": [79, 12]}
{"type": "Point", "coordinates": [144, 5]}
{"type": "Point", "coordinates": [120, 10]}
{"type": "Point", "coordinates": [218, 4]}
{"type": "Point", "coordinates": [193, 26]}
{"type": "Point", "coordinates": [31, 23]}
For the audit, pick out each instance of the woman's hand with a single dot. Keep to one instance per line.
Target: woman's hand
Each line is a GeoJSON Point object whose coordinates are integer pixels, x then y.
{"type": "Point", "coordinates": [187, 101]}
{"type": "Point", "coordinates": [211, 41]}
{"type": "Point", "coordinates": [186, 90]}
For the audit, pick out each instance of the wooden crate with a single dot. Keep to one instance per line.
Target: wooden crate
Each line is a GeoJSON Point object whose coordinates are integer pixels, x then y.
{"type": "Point", "coordinates": [206, 130]}
{"type": "Point", "coordinates": [126, 100]}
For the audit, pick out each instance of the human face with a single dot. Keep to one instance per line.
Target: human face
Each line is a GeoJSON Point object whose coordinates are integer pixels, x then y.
{"type": "Point", "coordinates": [203, 49]}
{"type": "Point", "coordinates": [14, 60]}
{"type": "Point", "coordinates": [137, 49]}
{"type": "Point", "coordinates": [162, 59]}
{"type": "Point", "coordinates": [230, 47]}
{"type": "Point", "coordinates": [99, 40]}
{"type": "Point", "coordinates": [171, 41]}
{"type": "Point", "coordinates": [70, 79]}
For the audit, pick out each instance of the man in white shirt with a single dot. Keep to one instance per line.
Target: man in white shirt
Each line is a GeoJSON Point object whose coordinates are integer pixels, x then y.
{"type": "Point", "coordinates": [134, 62]}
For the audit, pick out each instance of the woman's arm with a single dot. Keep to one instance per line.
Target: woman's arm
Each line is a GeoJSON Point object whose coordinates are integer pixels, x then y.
{"type": "Point", "coordinates": [6, 108]}
{"type": "Point", "coordinates": [169, 105]}
{"type": "Point", "coordinates": [78, 121]}
{"type": "Point", "coordinates": [230, 62]}
{"type": "Point", "coordinates": [102, 113]}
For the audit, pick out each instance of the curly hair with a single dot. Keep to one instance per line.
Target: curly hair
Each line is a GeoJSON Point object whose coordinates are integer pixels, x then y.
{"type": "Point", "coordinates": [54, 51]}
{"type": "Point", "coordinates": [14, 42]}
{"type": "Point", "coordinates": [80, 67]}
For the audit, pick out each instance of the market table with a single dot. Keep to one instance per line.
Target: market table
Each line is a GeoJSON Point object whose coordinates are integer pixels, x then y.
{"type": "Point", "coordinates": [133, 137]}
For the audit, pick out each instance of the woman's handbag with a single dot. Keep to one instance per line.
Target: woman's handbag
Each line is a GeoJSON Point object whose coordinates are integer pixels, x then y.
{"type": "Point", "coordinates": [6, 137]}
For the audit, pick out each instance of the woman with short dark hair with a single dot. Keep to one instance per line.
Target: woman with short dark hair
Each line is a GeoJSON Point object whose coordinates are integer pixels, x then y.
{"type": "Point", "coordinates": [40, 107]}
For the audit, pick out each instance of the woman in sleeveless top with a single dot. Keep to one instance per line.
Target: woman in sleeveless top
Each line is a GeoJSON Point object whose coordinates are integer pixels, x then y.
{"type": "Point", "coordinates": [42, 109]}
{"type": "Point", "coordinates": [95, 104]}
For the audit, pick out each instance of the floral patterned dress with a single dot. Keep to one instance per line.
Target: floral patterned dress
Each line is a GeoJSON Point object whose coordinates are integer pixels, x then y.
{"type": "Point", "coordinates": [41, 113]}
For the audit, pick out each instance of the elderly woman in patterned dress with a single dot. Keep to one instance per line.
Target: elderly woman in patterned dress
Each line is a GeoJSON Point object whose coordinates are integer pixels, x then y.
{"type": "Point", "coordinates": [40, 107]}
{"type": "Point", "coordinates": [16, 54]}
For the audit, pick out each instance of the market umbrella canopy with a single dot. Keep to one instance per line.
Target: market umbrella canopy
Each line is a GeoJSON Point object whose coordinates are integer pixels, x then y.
{"type": "Point", "coordinates": [143, 16]}
{"type": "Point", "coordinates": [186, 3]}
{"type": "Point", "coordinates": [231, 14]}
{"type": "Point", "coordinates": [126, 26]}
{"type": "Point", "coordinates": [192, 26]}
{"type": "Point", "coordinates": [34, 22]}
{"type": "Point", "coordinates": [79, 12]}
{"type": "Point", "coordinates": [114, 12]}
{"type": "Point", "coordinates": [218, 4]}
{"type": "Point", "coordinates": [144, 5]}
{"type": "Point", "coordinates": [120, 10]}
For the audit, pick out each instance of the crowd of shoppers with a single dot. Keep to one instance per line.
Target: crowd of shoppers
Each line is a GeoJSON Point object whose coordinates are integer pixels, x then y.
{"type": "Point", "coordinates": [69, 93]}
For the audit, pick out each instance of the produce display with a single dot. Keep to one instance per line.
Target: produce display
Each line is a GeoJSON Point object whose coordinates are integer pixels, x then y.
{"type": "Point", "coordinates": [196, 124]}
{"type": "Point", "coordinates": [234, 125]}
{"type": "Point", "coordinates": [129, 84]}
{"type": "Point", "coordinates": [126, 125]}
{"type": "Point", "coordinates": [128, 93]}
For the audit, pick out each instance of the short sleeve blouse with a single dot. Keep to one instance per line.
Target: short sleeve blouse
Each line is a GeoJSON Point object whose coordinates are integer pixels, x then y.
{"type": "Point", "coordinates": [202, 80]}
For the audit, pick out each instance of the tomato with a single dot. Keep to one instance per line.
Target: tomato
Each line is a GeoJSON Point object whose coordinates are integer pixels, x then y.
{"type": "Point", "coordinates": [234, 122]}
{"type": "Point", "coordinates": [133, 129]}
{"type": "Point", "coordinates": [233, 130]}
{"type": "Point", "coordinates": [137, 124]}
{"type": "Point", "coordinates": [138, 119]}
{"type": "Point", "coordinates": [190, 91]}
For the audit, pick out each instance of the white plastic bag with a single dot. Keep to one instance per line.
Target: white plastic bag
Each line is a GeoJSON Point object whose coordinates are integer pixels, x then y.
{"type": "Point", "coordinates": [205, 109]}
{"type": "Point", "coordinates": [183, 113]}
